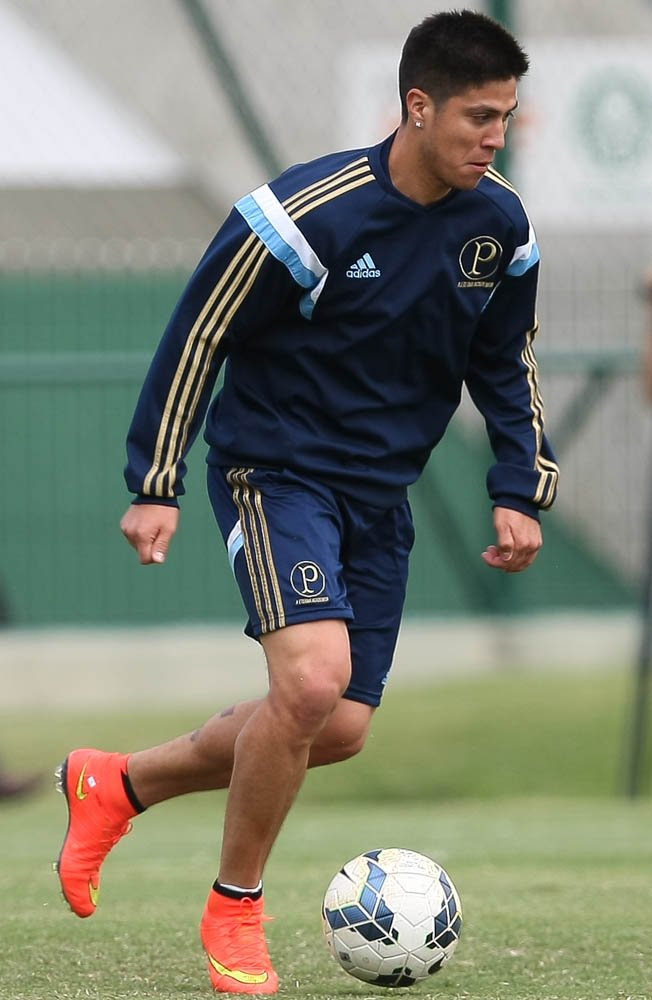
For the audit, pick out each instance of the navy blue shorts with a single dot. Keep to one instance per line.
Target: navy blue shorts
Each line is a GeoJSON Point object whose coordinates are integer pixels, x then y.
{"type": "Point", "coordinates": [301, 552]}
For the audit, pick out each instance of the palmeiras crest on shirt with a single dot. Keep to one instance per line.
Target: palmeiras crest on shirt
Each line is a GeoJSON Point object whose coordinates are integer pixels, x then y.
{"type": "Point", "coordinates": [479, 260]}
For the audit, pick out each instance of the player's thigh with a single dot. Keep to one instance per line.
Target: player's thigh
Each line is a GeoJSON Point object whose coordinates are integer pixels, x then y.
{"type": "Point", "coordinates": [284, 541]}
{"type": "Point", "coordinates": [309, 666]}
{"type": "Point", "coordinates": [376, 580]}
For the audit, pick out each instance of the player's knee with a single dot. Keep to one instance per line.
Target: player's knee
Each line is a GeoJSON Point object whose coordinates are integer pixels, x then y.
{"type": "Point", "coordinates": [317, 694]}
{"type": "Point", "coordinates": [313, 694]}
{"type": "Point", "coordinates": [309, 668]}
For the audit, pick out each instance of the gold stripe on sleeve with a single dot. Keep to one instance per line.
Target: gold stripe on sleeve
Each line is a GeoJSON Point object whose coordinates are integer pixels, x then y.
{"type": "Point", "coordinates": [548, 470]}
{"type": "Point", "coordinates": [499, 179]}
{"type": "Point", "coordinates": [208, 329]}
{"type": "Point", "coordinates": [354, 170]}
{"type": "Point", "coordinates": [219, 324]}
{"type": "Point", "coordinates": [335, 194]}
{"type": "Point", "coordinates": [200, 346]}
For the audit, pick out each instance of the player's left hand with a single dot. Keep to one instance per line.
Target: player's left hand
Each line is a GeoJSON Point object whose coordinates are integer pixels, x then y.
{"type": "Point", "coordinates": [518, 539]}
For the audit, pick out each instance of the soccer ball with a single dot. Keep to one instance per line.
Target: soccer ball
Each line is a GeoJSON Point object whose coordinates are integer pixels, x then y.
{"type": "Point", "coordinates": [392, 917]}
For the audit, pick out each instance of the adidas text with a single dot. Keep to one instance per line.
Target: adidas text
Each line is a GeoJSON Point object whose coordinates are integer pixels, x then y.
{"type": "Point", "coordinates": [364, 272]}
{"type": "Point", "coordinates": [364, 267]}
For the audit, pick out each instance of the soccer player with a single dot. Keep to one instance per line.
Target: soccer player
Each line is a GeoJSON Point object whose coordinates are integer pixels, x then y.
{"type": "Point", "coordinates": [349, 300]}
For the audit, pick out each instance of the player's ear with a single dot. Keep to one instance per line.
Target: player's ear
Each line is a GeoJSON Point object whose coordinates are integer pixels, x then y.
{"type": "Point", "coordinates": [417, 102]}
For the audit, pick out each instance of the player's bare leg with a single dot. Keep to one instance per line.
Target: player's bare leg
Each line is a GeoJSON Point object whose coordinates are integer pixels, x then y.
{"type": "Point", "coordinates": [309, 668]}
{"type": "Point", "coordinates": [197, 761]}
{"type": "Point", "coordinates": [203, 759]}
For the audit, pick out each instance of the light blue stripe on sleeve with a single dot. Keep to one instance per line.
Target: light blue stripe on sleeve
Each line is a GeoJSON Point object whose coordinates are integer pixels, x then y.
{"type": "Point", "coordinates": [520, 265]}
{"type": "Point", "coordinates": [525, 256]}
{"type": "Point", "coordinates": [267, 218]}
{"type": "Point", "coordinates": [275, 243]}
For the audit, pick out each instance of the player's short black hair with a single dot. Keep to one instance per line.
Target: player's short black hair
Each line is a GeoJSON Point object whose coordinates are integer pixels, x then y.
{"type": "Point", "coordinates": [449, 52]}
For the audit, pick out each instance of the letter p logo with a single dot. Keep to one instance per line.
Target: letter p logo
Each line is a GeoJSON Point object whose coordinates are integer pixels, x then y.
{"type": "Point", "coordinates": [480, 258]}
{"type": "Point", "coordinates": [307, 579]}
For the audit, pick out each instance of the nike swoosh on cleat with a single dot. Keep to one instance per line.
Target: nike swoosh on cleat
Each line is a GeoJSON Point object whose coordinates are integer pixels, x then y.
{"type": "Point", "coordinates": [240, 977]}
{"type": "Point", "coordinates": [93, 893]}
{"type": "Point", "coordinates": [79, 791]}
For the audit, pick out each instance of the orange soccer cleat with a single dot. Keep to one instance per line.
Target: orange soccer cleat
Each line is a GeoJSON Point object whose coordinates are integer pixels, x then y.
{"type": "Point", "coordinates": [233, 937]}
{"type": "Point", "coordinates": [99, 814]}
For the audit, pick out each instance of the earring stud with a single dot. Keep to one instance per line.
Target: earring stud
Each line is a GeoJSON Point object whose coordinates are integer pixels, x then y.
{"type": "Point", "coordinates": [418, 124]}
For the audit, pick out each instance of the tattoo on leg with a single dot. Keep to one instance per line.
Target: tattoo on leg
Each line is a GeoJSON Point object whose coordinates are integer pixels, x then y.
{"type": "Point", "coordinates": [195, 736]}
{"type": "Point", "coordinates": [227, 711]}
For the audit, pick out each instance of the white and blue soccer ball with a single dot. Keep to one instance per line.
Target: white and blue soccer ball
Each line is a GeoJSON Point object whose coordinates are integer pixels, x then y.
{"type": "Point", "coordinates": [392, 917]}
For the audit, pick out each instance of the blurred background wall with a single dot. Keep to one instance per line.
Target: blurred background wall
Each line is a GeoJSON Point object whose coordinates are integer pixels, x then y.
{"type": "Point", "coordinates": [128, 130]}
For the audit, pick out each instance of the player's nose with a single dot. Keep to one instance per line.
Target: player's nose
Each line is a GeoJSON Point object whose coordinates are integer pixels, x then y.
{"type": "Point", "coordinates": [495, 137]}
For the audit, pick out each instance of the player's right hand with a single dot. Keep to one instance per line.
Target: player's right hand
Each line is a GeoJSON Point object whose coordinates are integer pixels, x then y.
{"type": "Point", "coordinates": [149, 529]}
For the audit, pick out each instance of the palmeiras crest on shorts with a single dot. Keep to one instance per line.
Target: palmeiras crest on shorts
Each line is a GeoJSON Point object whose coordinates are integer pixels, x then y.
{"type": "Point", "coordinates": [308, 581]}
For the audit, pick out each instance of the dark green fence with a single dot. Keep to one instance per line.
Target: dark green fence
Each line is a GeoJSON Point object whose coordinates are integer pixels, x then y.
{"type": "Point", "coordinates": [73, 351]}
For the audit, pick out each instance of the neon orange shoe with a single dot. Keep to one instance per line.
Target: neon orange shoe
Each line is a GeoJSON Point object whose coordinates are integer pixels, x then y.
{"type": "Point", "coordinates": [98, 816]}
{"type": "Point", "coordinates": [234, 940]}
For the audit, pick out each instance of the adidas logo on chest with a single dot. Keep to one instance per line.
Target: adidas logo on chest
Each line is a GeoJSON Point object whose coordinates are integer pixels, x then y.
{"type": "Point", "coordinates": [364, 267]}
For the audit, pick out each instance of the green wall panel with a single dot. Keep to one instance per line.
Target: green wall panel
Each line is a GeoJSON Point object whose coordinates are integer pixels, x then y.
{"type": "Point", "coordinates": [73, 351]}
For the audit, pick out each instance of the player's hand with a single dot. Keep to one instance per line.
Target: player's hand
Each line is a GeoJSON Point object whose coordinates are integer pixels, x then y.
{"type": "Point", "coordinates": [149, 529]}
{"type": "Point", "coordinates": [518, 540]}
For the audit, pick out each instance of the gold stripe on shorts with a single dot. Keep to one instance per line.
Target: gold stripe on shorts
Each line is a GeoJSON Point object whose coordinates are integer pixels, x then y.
{"type": "Point", "coordinates": [258, 550]}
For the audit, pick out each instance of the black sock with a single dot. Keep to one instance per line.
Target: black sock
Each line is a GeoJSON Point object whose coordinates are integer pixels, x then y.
{"type": "Point", "coordinates": [131, 795]}
{"type": "Point", "coordinates": [235, 892]}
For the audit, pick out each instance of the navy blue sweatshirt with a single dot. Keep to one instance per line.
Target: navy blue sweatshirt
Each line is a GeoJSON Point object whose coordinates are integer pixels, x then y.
{"type": "Point", "coordinates": [347, 318]}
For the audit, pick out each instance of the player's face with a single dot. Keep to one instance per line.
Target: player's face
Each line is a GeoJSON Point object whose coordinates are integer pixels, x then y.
{"type": "Point", "coordinates": [461, 136]}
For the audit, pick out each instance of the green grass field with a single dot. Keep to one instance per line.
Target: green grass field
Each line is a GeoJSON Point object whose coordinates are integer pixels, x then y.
{"type": "Point", "coordinates": [510, 781]}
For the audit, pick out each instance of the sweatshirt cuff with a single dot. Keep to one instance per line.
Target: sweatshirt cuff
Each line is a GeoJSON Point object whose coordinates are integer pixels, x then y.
{"type": "Point", "coordinates": [515, 487]}
{"type": "Point", "coordinates": [517, 503]}
{"type": "Point", "coordinates": [142, 498]}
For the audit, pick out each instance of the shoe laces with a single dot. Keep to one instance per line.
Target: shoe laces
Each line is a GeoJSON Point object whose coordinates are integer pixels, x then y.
{"type": "Point", "coordinates": [103, 840]}
{"type": "Point", "coordinates": [248, 936]}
